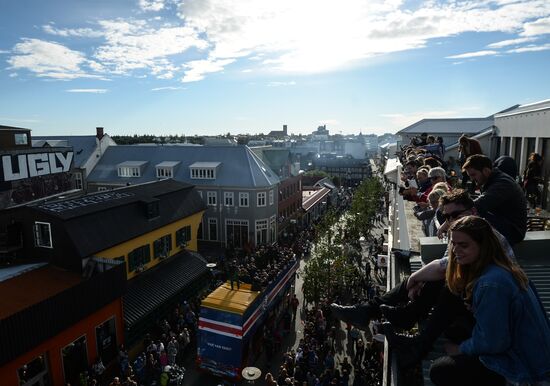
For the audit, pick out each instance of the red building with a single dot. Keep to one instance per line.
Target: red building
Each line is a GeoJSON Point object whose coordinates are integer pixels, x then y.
{"type": "Point", "coordinates": [55, 322]}
{"type": "Point", "coordinates": [290, 201]}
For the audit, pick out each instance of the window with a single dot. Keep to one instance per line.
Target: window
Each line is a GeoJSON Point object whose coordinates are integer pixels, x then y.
{"type": "Point", "coordinates": [42, 235]}
{"type": "Point", "coordinates": [75, 360]}
{"type": "Point", "coordinates": [183, 236]}
{"type": "Point", "coordinates": [163, 172]}
{"type": "Point", "coordinates": [21, 139]}
{"type": "Point", "coordinates": [243, 199]}
{"type": "Point", "coordinates": [271, 197]}
{"type": "Point", "coordinates": [105, 335]}
{"type": "Point", "coordinates": [237, 232]}
{"type": "Point", "coordinates": [261, 199]}
{"type": "Point", "coordinates": [35, 372]}
{"type": "Point", "coordinates": [213, 229]}
{"type": "Point", "coordinates": [139, 257]}
{"type": "Point", "coordinates": [162, 246]}
{"type": "Point", "coordinates": [228, 198]}
{"type": "Point", "coordinates": [129, 171]}
{"type": "Point", "coordinates": [203, 173]}
{"type": "Point", "coordinates": [212, 198]}
{"type": "Point", "coordinates": [152, 209]}
{"type": "Point", "coordinates": [78, 180]}
{"type": "Point", "coordinates": [261, 232]}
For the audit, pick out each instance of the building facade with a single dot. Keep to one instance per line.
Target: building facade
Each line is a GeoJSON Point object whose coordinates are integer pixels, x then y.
{"type": "Point", "coordinates": [238, 188]}
{"type": "Point", "coordinates": [88, 150]}
{"type": "Point", "coordinates": [523, 130]}
{"type": "Point", "coordinates": [28, 173]}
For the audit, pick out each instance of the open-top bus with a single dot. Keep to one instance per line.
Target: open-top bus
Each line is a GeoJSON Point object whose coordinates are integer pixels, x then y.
{"type": "Point", "coordinates": [229, 334]}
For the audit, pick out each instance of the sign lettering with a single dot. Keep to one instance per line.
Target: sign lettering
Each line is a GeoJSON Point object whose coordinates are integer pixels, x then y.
{"type": "Point", "coordinates": [18, 167]}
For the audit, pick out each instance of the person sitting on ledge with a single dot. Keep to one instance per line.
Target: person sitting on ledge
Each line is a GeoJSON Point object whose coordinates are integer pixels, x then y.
{"type": "Point", "coordinates": [510, 340]}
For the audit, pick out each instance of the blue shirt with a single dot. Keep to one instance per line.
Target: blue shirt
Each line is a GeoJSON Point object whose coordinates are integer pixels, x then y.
{"type": "Point", "coordinates": [512, 332]}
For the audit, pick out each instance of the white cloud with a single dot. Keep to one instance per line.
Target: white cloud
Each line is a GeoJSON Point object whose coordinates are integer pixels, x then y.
{"type": "Point", "coordinates": [76, 32]}
{"type": "Point", "coordinates": [473, 54]}
{"type": "Point", "coordinates": [322, 35]}
{"type": "Point", "coordinates": [531, 48]}
{"type": "Point", "coordinates": [49, 60]}
{"type": "Point", "coordinates": [279, 84]}
{"type": "Point", "coordinates": [4, 52]}
{"type": "Point", "coordinates": [196, 69]}
{"type": "Point", "coordinates": [306, 36]}
{"type": "Point", "coordinates": [168, 88]}
{"type": "Point", "coordinates": [538, 27]}
{"type": "Point", "coordinates": [88, 90]}
{"type": "Point", "coordinates": [511, 42]}
{"type": "Point", "coordinates": [13, 75]}
{"type": "Point", "coordinates": [133, 45]}
{"type": "Point", "coordinates": [151, 5]}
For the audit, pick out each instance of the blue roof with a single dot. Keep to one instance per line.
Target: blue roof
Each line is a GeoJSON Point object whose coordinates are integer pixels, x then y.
{"type": "Point", "coordinates": [83, 146]}
{"type": "Point", "coordinates": [239, 166]}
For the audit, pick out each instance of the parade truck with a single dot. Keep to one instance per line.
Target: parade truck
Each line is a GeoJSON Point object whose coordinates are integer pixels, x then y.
{"type": "Point", "coordinates": [231, 323]}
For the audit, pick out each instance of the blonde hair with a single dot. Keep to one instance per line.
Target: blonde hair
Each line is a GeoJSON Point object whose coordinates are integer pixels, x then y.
{"type": "Point", "coordinates": [461, 279]}
{"type": "Point", "coordinates": [441, 186]}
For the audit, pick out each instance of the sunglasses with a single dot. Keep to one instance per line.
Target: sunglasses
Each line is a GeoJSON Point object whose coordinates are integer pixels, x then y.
{"type": "Point", "coordinates": [455, 214]}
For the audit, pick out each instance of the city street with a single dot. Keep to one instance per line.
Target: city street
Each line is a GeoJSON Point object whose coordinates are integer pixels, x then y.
{"type": "Point", "coordinates": [344, 348]}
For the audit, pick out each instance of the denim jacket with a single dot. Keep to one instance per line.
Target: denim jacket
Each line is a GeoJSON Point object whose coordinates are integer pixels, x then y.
{"type": "Point", "coordinates": [512, 332]}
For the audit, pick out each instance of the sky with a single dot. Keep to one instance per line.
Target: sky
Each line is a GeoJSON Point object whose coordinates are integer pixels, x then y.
{"type": "Point", "coordinates": [210, 67]}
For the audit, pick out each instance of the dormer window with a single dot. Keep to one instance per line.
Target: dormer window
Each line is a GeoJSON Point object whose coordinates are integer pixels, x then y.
{"type": "Point", "coordinates": [166, 169]}
{"type": "Point", "coordinates": [21, 139]}
{"type": "Point", "coordinates": [131, 168]}
{"type": "Point", "coordinates": [204, 170]}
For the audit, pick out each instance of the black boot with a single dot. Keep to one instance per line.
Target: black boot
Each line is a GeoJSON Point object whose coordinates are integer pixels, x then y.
{"type": "Point", "coordinates": [408, 349]}
{"type": "Point", "coordinates": [359, 315]}
{"type": "Point", "coordinates": [402, 317]}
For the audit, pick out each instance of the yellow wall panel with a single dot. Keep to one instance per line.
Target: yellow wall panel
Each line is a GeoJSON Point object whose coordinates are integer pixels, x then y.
{"type": "Point", "coordinates": [149, 238]}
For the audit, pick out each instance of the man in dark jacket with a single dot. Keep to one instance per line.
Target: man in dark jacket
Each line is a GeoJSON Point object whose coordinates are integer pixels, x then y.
{"type": "Point", "coordinates": [502, 201]}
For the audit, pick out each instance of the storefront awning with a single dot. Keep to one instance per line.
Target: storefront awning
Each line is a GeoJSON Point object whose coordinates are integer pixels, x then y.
{"type": "Point", "coordinates": [153, 288]}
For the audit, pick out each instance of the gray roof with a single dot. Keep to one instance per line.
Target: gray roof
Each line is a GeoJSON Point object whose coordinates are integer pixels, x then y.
{"type": "Point", "coordinates": [528, 108]}
{"type": "Point", "coordinates": [448, 126]}
{"type": "Point", "coordinates": [83, 145]}
{"type": "Point", "coordinates": [239, 166]}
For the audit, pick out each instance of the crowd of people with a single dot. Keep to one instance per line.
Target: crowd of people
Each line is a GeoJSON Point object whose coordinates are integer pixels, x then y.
{"type": "Point", "coordinates": [475, 294]}
{"type": "Point", "coordinates": [320, 360]}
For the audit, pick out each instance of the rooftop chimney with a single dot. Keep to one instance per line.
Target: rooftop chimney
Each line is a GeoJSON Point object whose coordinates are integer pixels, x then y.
{"type": "Point", "coordinates": [99, 132]}
{"type": "Point", "coordinates": [284, 130]}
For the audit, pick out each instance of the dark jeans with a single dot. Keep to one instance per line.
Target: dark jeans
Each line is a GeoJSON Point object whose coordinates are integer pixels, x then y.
{"type": "Point", "coordinates": [412, 311]}
{"type": "Point", "coordinates": [461, 370]}
{"type": "Point", "coordinates": [449, 314]}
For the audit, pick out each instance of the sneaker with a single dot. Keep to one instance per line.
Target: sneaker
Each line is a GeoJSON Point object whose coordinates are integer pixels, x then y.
{"type": "Point", "coordinates": [358, 315]}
